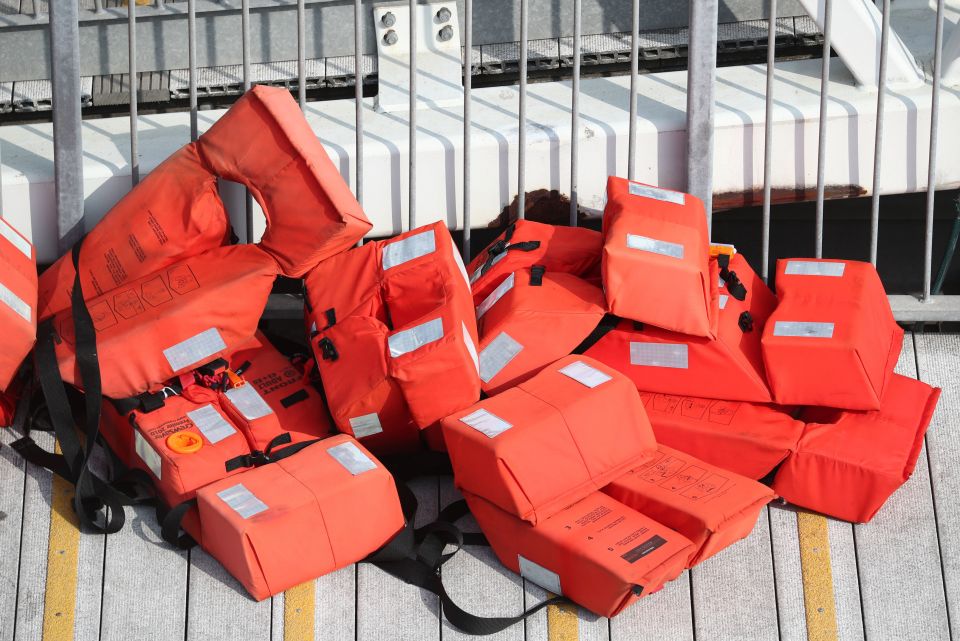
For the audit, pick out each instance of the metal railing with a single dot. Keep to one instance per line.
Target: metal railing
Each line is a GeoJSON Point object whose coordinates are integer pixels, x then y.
{"type": "Point", "coordinates": [64, 39]}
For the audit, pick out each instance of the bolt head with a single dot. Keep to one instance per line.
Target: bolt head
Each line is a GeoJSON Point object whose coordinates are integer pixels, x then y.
{"type": "Point", "coordinates": [390, 38]}
{"type": "Point", "coordinates": [388, 19]}
{"type": "Point", "coordinates": [443, 15]}
{"type": "Point", "coordinates": [445, 34]}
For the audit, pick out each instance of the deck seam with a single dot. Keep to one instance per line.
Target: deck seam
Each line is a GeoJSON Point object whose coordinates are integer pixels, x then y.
{"type": "Point", "coordinates": [23, 515]}
{"type": "Point", "coordinates": [773, 564]}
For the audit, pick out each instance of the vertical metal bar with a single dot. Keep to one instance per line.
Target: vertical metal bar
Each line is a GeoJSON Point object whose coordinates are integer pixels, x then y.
{"type": "Point", "coordinates": [701, 77]}
{"type": "Point", "coordinates": [467, 120]}
{"type": "Point", "coordinates": [67, 142]}
{"type": "Point", "coordinates": [522, 138]}
{"type": "Point", "coordinates": [878, 138]}
{"type": "Point", "coordinates": [133, 85]}
{"type": "Point", "coordinates": [98, 5]}
{"type": "Point", "coordinates": [932, 167]}
{"type": "Point", "coordinates": [358, 96]}
{"type": "Point", "coordinates": [412, 206]}
{"type": "Point", "coordinates": [245, 43]}
{"type": "Point", "coordinates": [822, 135]}
{"type": "Point", "coordinates": [192, 56]}
{"type": "Point", "coordinates": [301, 54]}
{"type": "Point", "coordinates": [634, 76]}
{"type": "Point", "coordinates": [768, 141]}
{"type": "Point", "coordinates": [575, 114]}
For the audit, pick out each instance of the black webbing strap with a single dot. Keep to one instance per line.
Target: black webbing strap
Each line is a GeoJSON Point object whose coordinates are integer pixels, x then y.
{"type": "Point", "coordinates": [734, 286]}
{"type": "Point", "coordinates": [170, 521]}
{"type": "Point", "coordinates": [456, 511]}
{"type": "Point", "coordinates": [604, 327]}
{"type": "Point", "coordinates": [503, 245]}
{"type": "Point", "coordinates": [147, 401]}
{"type": "Point", "coordinates": [256, 458]}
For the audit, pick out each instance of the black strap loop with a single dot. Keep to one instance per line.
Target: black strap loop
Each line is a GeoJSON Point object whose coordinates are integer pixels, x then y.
{"type": "Point", "coordinates": [328, 350]}
{"type": "Point", "coordinates": [746, 322]}
{"type": "Point", "coordinates": [536, 275]}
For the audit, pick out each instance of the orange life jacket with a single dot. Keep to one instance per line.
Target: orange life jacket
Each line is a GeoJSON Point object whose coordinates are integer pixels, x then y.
{"type": "Point", "coordinates": [656, 266]}
{"type": "Point", "coordinates": [173, 320]}
{"type": "Point", "coordinates": [730, 367]}
{"type": "Point", "coordinates": [747, 438]}
{"type": "Point", "coordinates": [709, 505]}
{"type": "Point", "coordinates": [530, 320]}
{"type": "Point", "coordinates": [536, 448]}
{"type": "Point", "coordinates": [525, 243]}
{"type": "Point", "coordinates": [333, 494]}
{"type": "Point", "coordinates": [264, 142]}
{"type": "Point", "coordinates": [597, 551]}
{"type": "Point", "coordinates": [832, 339]}
{"type": "Point", "coordinates": [395, 336]}
{"type": "Point", "coordinates": [18, 302]}
{"type": "Point", "coordinates": [849, 462]}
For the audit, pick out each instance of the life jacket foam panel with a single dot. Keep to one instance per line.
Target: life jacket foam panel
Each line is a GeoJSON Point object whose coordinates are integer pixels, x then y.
{"type": "Point", "coordinates": [530, 320]}
{"type": "Point", "coordinates": [729, 368]}
{"type": "Point", "coordinates": [746, 438]}
{"type": "Point", "coordinates": [832, 339]}
{"type": "Point", "coordinates": [557, 437]}
{"type": "Point", "coordinates": [597, 552]}
{"type": "Point", "coordinates": [525, 243]}
{"type": "Point", "coordinates": [656, 266]}
{"type": "Point", "coordinates": [174, 320]}
{"type": "Point", "coordinates": [709, 505]}
{"type": "Point", "coordinates": [849, 462]}
{"type": "Point", "coordinates": [278, 525]}
{"type": "Point", "coordinates": [18, 301]}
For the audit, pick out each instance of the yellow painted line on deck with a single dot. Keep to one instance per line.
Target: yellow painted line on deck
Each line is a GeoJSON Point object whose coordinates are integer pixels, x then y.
{"type": "Point", "coordinates": [563, 623]}
{"type": "Point", "coordinates": [298, 612]}
{"type": "Point", "coordinates": [817, 577]}
{"type": "Point", "coordinates": [63, 552]}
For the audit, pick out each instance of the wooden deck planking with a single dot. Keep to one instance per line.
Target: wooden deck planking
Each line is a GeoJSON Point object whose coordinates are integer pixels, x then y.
{"type": "Point", "coordinates": [12, 479]}
{"type": "Point", "coordinates": [788, 571]}
{"type": "Point", "coordinates": [335, 609]}
{"type": "Point", "coordinates": [846, 581]}
{"type": "Point", "coordinates": [666, 615]}
{"type": "Point", "coordinates": [219, 607]}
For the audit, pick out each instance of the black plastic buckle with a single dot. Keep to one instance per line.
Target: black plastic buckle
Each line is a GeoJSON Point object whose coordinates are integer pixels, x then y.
{"type": "Point", "coordinates": [536, 275]}
{"type": "Point", "coordinates": [328, 349]}
{"type": "Point", "coordinates": [746, 322]}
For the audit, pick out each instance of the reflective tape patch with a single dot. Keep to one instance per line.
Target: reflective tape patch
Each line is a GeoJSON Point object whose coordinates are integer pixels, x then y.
{"type": "Point", "coordinates": [584, 374]}
{"type": "Point", "coordinates": [720, 282]}
{"type": "Point", "coordinates": [402, 251]}
{"type": "Point", "coordinates": [249, 402]}
{"type": "Point", "coordinates": [809, 330]}
{"type": "Point", "coordinates": [657, 194]}
{"type": "Point", "coordinates": [147, 454]}
{"type": "Point", "coordinates": [654, 246]}
{"type": "Point", "coordinates": [673, 355]}
{"type": "Point", "coordinates": [15, 239]}
{"type": "Point", "coordinates": [723, 301]}
{"type": "Point", "coordinates": [470, 346]}
{"type": "Point", "coordinates": [540, 575]}
{"type": "Point", "coordinates": [495, 295]}
{"type": "Point", "coordinates": [349, 456]}
{"type": "Point", "coordinates": [496, 355]}
{"type": "Point", "coordinates": [415, 337]}
{"type": "Point", "coordinates": [366, 425]}
{"type": "Point", "coordinates": [813, 268]}
{"type": "Point", "coordinates": [486, 423]}
{"type": "Point", "coordinates": [242, 501]}
{"type": "Point", "coordinates": [19, 306]}
{"type": "Point", "coordinates": [211, 424]}
{"type": "Point", "coordinates": [458, 259]}
{"type": "Point", "coordinates": [195, 349]}
{"type": "Point", "coordinates": [496, 259]}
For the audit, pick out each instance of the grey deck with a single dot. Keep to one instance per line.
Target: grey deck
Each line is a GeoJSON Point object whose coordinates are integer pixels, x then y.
{"type": "Point", "coordinates": [897, 578]}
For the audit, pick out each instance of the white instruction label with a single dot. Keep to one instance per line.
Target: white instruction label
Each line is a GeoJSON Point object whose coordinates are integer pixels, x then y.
{"type": "Point", "coordinates": [366, 425]}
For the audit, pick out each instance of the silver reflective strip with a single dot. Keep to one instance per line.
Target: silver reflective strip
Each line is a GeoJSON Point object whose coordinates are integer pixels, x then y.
{"type": "Point", "coordinates": [211, 424]}
{"type": "Point", "coordinates": [366, 425]}
{"type": "Point", "coordinates": [495, 295]}
{"type": "Point", "coordinates": [147, 454]}
{"type": "Point", "coordinates": [496, 355]}
{"type": "Point", "coordinates": [15, 239]}
{"type": "Point", "coordinates": [14, 302]}
{"type": "Point", "coordinates": [479, 272]}
{"type": "Point", "coordinates": [402, 251]}
{"type": "Point", "coordinates": [673, 355]}
{"type": "Point", "coordinates": [486, 423]}
{"type": "Point", "coordinates": [721, 282]}
{"type": "Point", "coordinates": [242, 501]}
{"type": "Point", "coordinates": [470, 346]}
{"type": "Point", "coordinates": [459, 261]}
{"type": "Point", "coordinates": [249, 402]}
{"type": "Point", "coordinates": [813, 268]}
{"type": "Point", "coordinates": [195, 349]}
{"type": "Point", "coordinates": [313, 327]}
{"type": "Point", "coordinates": [654, 246]}
{"type": "Point", "coordinates": [349, 456]}
{"type": "Point", "coordinates": [540, 575]}
{"type": "Point", "coordinates": [811, 330]}
{"type": "Point", "coordinates": [585, 375]}
{"type": "Point", "coordinates": [723, 301]}
{"type": "Point", "coordinates": [655, 193]}
{"type": "Point", "coordinates": [415, 337]}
